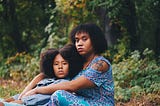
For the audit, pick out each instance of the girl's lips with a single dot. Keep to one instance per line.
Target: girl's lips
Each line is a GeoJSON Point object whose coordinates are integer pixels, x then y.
{"type": "Point", "coordinates": [60, 72]}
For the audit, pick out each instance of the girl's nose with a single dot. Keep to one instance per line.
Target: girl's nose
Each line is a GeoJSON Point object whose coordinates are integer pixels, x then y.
{"type": "Point", "coordinates": [60, 66]}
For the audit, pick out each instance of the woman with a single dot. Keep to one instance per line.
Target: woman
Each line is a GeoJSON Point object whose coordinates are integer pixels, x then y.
{"type": "Point", "coordinates": [94, 84]}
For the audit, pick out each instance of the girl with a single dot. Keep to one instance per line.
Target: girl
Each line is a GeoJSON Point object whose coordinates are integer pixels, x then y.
{"type": "Point", "coordinates": [57, 66]}
{"type": "Point", "coordinates": [94, 84]}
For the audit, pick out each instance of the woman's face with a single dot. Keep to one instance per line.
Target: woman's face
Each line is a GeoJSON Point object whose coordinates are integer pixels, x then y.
{"type": "Point", "coordinates": [83, 44]}
{"type": "Point", "coordinates": [60, 67]}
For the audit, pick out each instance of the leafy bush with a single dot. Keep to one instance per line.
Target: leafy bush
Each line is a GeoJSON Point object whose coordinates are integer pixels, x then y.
{"type": "Point", "coordinates": [9, 87]}
{"type": "Point", "coordinates": [22, 66]}
{"type": "Point", "coordinates": [3, 69]}
{"type": "Point", "coordinates": [137, 74]}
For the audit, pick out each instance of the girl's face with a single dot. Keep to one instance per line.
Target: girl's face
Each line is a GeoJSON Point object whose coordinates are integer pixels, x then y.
{"type": "Point", "coordinates": [60, 67]}
{"type": "Point", "coordinates": [83, 44]}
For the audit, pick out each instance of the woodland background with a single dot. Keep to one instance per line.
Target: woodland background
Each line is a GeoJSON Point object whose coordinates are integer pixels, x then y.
{"type": "Point", "coordinates": [131, 27]}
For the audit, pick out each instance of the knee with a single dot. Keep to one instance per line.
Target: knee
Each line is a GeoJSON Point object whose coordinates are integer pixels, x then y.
{"type": "Point", "coordinates": [56, 98]}
{"type": "Point", "coordinates": [56, 94]}
{"type": "Point", "coordinates": [59, 91]}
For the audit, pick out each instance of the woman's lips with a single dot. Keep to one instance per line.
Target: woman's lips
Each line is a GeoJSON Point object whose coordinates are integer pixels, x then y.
{"type": "Point", "coordinates": [80, 49]}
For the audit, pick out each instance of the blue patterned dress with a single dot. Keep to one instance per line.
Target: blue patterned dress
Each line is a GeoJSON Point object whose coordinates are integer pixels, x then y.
{"type": "Point", "coordinates": [101, 95]}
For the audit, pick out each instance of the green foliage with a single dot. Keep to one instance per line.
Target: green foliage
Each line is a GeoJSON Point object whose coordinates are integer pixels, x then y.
{"type": "Point", "coordinates": [112, 6]}
{"type": "Point", "coordinates": [22, 66]}
{"type": "Point", "coordinates": [56, 29]}
{"type": "Point", "coordinates": [56, 39]}
{"type": "Point", "coordinates": [74, 8]}
{"type": "Point", "coordinates": [4, 73]}
{"type": "Point", "coordinates": [7, 92]}
{"type": "Point", "coordinates": [64, 17]}
{"type": "Point", "coordinates": [135, 75]}
{"type": "Point", "coordinates": [22, 25]}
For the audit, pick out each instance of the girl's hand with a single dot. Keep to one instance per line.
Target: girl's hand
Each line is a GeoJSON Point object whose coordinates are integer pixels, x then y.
{"type": "Point", "coordinates": [32, 84]}
{"type": "Point", "coordinates": [31, 92]}
{"type": "Point", "coordinates": [21, 95]}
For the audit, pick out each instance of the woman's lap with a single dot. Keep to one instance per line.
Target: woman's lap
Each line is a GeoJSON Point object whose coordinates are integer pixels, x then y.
{"type": "Point", "coordinates": [64, 98]}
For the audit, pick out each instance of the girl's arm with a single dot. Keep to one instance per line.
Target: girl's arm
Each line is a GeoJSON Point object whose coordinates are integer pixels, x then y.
{"type": "Point", "coordinates": [32, 84]}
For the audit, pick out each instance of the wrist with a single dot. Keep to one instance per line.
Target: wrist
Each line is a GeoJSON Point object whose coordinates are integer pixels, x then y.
{"type": "Point", "coordinates": [36, 90]}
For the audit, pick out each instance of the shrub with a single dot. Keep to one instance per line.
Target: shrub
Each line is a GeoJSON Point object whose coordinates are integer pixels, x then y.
{"type": "Point", "coordinates": [22, 66]}
{"type": "Point", "coordinates": [136, 75]}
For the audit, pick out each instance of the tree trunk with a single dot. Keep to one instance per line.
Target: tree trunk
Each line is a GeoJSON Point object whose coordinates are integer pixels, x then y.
{"type": "Point", "coordinates": [157, 51]}
{"type": "Point", "coordinates": [157, 31]}
{"type": "Point", "coordinates": [131, 24]}
{"type": "Point", "coordinates": [10, 17]}
{"type": "Point", "coordinates": [102, 13]}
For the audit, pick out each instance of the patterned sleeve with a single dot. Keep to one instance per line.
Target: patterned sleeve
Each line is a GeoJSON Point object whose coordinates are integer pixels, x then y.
{"type": "Point", "coordinates": [95, 76]}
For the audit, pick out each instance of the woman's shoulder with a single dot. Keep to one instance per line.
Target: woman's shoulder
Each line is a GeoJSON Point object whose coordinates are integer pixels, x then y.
{"type": "Point", "coordinates": [101, 64]}
{"type": "Point", "coordinates": [101, 58]}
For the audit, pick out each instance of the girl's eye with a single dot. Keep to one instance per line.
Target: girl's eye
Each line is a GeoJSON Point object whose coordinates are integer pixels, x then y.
{"type": "Point", "coordinates": [55, 64]}
{"type": "Point", "coordinates": [65, 63]}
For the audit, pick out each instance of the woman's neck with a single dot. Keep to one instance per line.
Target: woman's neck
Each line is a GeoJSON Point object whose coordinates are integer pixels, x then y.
{"type": "Point", "coordinates": [88, 60]}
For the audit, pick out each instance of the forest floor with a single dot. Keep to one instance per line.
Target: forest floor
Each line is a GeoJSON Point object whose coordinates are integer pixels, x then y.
{"type": "Point", "coordinates": [10, 87]}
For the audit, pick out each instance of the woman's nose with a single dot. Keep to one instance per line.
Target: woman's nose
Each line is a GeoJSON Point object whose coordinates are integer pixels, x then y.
{"type": "Point", "coordinates": [79, 43]}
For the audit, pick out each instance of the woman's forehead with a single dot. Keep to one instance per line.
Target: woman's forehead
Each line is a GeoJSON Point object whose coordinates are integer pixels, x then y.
{"type": "Point", "coordinates": [81, 34]}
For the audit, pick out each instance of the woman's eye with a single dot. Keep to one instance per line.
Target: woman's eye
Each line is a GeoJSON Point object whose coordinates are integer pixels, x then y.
{"type": "Point", "coordinates": [76, 40]}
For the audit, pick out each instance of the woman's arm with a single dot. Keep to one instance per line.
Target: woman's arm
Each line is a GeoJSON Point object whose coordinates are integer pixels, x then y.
{"type": "Point", "coordinates": [73, 85]}
{"type": "Point", "coordinates": [32, 84]}
{"type": "Point", "coordinates": [70, 86]}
